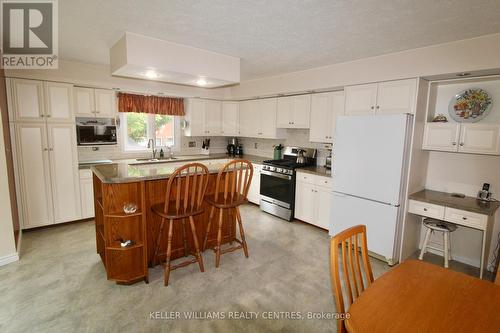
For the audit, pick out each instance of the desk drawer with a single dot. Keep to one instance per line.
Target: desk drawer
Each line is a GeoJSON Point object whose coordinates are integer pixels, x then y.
{"type": "Point", "coordinates": [466, 218]}
{"type": "Point", "coordinates": [426, 209]}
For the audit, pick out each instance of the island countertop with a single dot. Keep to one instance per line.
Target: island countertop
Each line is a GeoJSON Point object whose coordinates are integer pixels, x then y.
{"type": "Point", "coordinates": [446, 199]}
{"type": "Point", "coordinates": [128, 171]}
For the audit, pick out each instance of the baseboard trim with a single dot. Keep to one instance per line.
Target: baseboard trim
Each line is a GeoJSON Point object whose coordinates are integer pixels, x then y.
{"type": "Point", "coordinates": [9, 259]}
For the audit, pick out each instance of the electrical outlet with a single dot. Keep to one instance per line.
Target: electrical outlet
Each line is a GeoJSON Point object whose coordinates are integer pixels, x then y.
{"type": "Point", "coordinates": [255, 145]}
{"type": "Point", "coordinates": [192, 144]}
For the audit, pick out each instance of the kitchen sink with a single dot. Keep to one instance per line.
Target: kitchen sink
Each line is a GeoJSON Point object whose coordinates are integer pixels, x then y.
{"type": "Point", "coordinates": [154, 160]}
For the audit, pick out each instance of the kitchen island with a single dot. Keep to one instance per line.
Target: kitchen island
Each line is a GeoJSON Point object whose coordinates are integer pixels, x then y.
{"type": "Point", "coordinates": [143, 185]}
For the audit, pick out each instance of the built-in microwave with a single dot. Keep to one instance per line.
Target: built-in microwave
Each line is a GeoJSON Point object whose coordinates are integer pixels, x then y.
{"type": "Point", "coordinates": [96, 131]}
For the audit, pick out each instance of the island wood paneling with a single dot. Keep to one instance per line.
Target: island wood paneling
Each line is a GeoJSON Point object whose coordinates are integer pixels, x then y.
{"type": "Point", "coordinates": [129, 265]}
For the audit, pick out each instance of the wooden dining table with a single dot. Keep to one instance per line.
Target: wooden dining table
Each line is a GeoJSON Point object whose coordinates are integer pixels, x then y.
{"type": "Point", "coordinates": [416, 296]}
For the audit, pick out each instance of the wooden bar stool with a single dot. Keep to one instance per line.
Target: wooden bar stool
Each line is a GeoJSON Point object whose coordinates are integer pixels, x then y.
{"type": "Point", "coordinates": [446, 228]}
{"type": "Point", "coordinates": [184, 197]}
{"type": "Point", "coordinates": [231, 190]}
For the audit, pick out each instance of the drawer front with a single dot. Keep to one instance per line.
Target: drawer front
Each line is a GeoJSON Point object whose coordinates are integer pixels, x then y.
{"type": "Point", "coordinates": [323, 181]}
{"type": "Point", "coordinates": [85, 173]}
{"type": "Point", "coordinates": [466, 218]}
{"type": "Point", "coordinates": [306, 177]}
{"type": "Point", "coordinates": [426, 209]}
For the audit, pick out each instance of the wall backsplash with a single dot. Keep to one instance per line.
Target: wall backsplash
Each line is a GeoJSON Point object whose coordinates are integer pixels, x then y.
{"type": "Point", "coordinates": [252, 146]}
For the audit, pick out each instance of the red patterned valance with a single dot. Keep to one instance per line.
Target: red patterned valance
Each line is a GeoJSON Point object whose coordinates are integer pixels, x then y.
{"type": "Point", "coordinates": [150, 104]}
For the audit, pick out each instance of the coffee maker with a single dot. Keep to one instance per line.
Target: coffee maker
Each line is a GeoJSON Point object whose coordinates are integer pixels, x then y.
{"type": "Point", "coordinates": [231, 146]}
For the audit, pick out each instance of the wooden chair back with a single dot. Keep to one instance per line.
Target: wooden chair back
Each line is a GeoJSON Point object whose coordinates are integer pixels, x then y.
{"type": "Point", "coordinates": [186, 189]}
{"type": "Point", "coordinates": [233, 181]}
{"type": "Point", "coordinates": [345, 259]}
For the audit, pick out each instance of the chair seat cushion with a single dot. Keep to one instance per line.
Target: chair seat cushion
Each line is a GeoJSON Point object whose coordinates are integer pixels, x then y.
{"type": "Point", "coordinates": [439, 225]}
{"type": "Point", "coordinates": [173, 213]}
{"type": "Point", "coordinates": [236, 201]}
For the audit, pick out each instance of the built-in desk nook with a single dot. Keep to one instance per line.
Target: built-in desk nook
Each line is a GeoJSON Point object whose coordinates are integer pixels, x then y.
{"type": "Point", "coordinates": [463, 211]}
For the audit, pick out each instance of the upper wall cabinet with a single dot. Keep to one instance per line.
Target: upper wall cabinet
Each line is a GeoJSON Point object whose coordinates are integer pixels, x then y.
{"type": "Point", "coordinates": [392, 97]}
{"type": "Point", "coordinates": [293, 111]}
{"type": "Point", "coordinates": [90, 102]}
{"type": "Point", "coordinates": [39, 101]}
{"type": "Point", "coordinates": [325, 107]}
{"type": "Point", "coordinates": [230, 118]}
{"type": "Point", "coordinates": [258, 119]}
{"type": "Point", "coordinates": [204, 117]}
{"type": "Point", "coordinates": [482, 137]}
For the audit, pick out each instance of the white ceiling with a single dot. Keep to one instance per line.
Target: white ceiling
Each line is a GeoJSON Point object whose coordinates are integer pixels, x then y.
{"type": "Point", "coordinates": [274, 37]}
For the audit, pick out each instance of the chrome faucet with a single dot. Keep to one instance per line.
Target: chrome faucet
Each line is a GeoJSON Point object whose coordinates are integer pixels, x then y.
{"type": "Point", "coordinates": [152, 146]}
{"type": "Point", "coordinates": [170, 153]}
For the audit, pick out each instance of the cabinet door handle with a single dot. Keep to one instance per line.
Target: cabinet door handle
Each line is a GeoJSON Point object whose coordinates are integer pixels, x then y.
{"type": "Point", "coordinates": [378, 106]}
{"type": "Point", "coordinates": [425, 209]}
{"type": "Point", "coordinates": [461, 144]}
{"type": "Point", "coordinates": [372, 107]}
{"type": "Point", "coordinates": [51, 149]}
{"type": "Point", "coordinates": [45, 149]}
{"type": "Point", "coordinates": [464, 218]}
{"type": "Point", "coordinates": [454, 143]}
{"type": "Point", "coordinates": [48, 115]}
{"type": "Point", "coordinates": [42, 115]}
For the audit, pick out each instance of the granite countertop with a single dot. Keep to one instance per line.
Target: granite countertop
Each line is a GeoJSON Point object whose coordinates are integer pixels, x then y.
{"type": "Point", "coordinates": [127, 171]}
{"type": "Point", "coordinates": [317, 170]}
{"type": "Point", "coordinates": [470, 204]}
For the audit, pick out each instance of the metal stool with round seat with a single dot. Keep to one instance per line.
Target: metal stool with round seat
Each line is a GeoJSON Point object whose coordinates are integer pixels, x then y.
{"type": "Point", "coordinates": [186, 189]}
{"type": "Point", "coordinates": [446, 228]}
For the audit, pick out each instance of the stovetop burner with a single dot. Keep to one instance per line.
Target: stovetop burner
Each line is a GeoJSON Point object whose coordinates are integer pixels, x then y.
{"type": "Point", "coordinates": [290, 164]}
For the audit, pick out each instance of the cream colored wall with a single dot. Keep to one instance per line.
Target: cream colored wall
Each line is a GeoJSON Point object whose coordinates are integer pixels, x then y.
{"type": "Point", "coordinates": [465, 173]}
{"type": "Point", "coordinates": [7, 242]}
{"type": "Point", "coordinates": [99, 75]}
{"type": "Point", "coordinates": [482, 53]}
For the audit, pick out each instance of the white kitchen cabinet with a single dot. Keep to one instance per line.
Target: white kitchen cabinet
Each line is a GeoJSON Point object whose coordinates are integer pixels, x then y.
{"type": "Point", "coordinates": [396, 97]}
{"type": "Point", "coordinates": [84, 102]}
{"type": "Point", "coordinates": [230, 118]}
{"type": "Point", "coordinates": [204, 117]}
{"type": "Point", "coordinates": [213, 118]}
{"type": "Point", "coordinates": [305, 199]}
{"type": "Point", "coordinates": [441, 136]}
{"type": "Point", "coordinates": [360, 99]}
{"type": "Point", "coordinates": [462, 138]}
{"type": "Point", "coordinates": [313, 195]}
{"type": "Point", "coordinates": [258, 119]}
{"type": "Point", "coordinates": [63, 160]}
{"type": "Point", "coordinates": [87, 193]}
{"type": "Point", "coordinates": [293, 111]}
{"type": "Point", "coordinates": [249, 119]}
{"type": "Point", "coordinates": [59, 99]}
{"type": "Point", "coordinates": [105, 103]}
{"type": "Point", "coordinates": [324, 198]}
{"type": "Point", "coordinates": [28, 100]}
{"type": "Point", "coordinates": [34, 171]}
{"type": "Point", "coordinates": [479, 139]}
{"type": "Point", "coordinates": [254, 189]}
{"type": "Point", "coordinates": [325, 108]}
{"type": "Point", "coordinates": [47, 164]}
{"type": "Point", "coordinates": [391, 97]}
{"type": "Point", "coordinates": [195, 117]}
{"type": "Point", "coordinates": [90, 102]}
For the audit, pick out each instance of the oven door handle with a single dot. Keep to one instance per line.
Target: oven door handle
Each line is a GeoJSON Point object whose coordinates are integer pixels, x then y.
{"type": "Point", "coordinates": [274, 174]}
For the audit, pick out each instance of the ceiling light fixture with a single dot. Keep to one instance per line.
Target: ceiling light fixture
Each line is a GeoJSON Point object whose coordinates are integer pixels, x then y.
{"type": "Point", "coordinates": [151, 74]}
{"type": "Point", "coordinates": [201, 82]}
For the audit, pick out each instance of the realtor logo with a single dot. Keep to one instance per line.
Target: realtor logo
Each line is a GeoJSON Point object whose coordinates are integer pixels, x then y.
{"type": "Point", "coordinates": [29, 34]}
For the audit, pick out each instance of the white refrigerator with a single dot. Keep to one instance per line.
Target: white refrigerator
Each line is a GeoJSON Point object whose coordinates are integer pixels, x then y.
{"type": "Point", "coordinates": [370, 157]}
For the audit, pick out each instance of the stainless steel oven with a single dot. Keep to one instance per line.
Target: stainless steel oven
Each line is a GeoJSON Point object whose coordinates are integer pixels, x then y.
{"type": "Point", "coordinates": [277, 181]}
{"type": "Point", "coordinates": [96, 131]}
{"type": "Point", "coordinates": [277, 192]}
